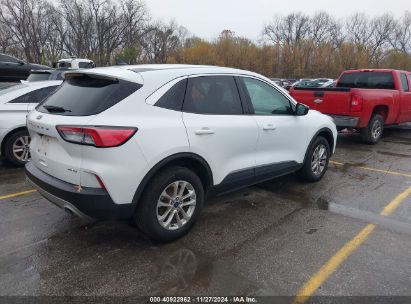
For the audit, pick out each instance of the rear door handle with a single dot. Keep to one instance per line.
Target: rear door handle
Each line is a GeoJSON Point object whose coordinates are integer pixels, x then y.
{"type": "Point", "coordinates": [204, 131]}
{"type": "Point", "coordinates": [269, 127]}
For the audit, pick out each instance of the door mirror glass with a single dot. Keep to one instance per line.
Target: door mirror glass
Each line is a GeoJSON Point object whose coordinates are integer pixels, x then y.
{"type": "Point", "coordinates": [301, 109]}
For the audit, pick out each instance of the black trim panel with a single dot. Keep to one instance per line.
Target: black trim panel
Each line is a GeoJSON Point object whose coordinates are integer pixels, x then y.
{"type": "Point", "coordinates": [94, 202]}
{"type": "Point", "coordinates": [252, 176]}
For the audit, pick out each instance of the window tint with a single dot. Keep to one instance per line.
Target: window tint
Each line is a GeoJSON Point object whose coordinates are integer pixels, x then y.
{"type": "Point", "coordinates": [36, 96]}
{"type": "Point", "coordinates": [265, 99]}
{"type": "Point", "coordinates": [367, 80]}
{"type": "Point", "coordinates": [212, 95]}
{"type": "Point", "coordinates": [82, 95]}
{"type": "Point", "coordinates": [404, 83]}
{"type": "Point", "coordinates": [173, 98]}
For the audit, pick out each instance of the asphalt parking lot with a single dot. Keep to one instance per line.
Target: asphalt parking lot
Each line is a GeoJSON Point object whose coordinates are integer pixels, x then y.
{"type": "Point", "coordinates": [349, 234]}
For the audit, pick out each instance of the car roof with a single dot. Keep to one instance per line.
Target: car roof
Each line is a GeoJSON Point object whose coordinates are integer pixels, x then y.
{"type": "Point", "coordinates": [137, 73]}
{"type": "Point", "coordinates": [26, 87]}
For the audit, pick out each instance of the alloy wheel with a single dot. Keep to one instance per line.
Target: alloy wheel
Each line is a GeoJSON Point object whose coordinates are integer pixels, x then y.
{"type": "Point", "coordinates": [176, 205]}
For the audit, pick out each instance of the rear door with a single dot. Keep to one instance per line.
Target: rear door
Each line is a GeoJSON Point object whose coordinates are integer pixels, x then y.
{"type": "Point", "coordinates": [405, 96]}
{"type": "Point", "coordinates": [217, 128]}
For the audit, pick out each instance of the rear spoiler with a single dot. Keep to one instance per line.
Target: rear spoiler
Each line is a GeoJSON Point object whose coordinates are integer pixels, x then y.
{"type": "Point", "coordinates": [114, 73]}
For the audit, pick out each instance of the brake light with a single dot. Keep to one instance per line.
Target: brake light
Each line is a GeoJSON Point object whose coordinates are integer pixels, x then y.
{"type": "Point", "coordinates": [101, 137]}
{"type": "Point", "coordinates": [356, 103]}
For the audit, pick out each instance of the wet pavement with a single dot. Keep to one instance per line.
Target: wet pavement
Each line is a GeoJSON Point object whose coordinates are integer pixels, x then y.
{"type": "Point", "coordinates": [268, 239]}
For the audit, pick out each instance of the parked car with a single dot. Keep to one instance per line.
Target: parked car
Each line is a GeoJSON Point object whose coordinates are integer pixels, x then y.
{"type": "Point", "coordinates": [322, 81]}
{"type": "Point", "coordinates": [13, 69]}
{"type": "Point", "coordinates": [42, 75]}
{"type": "Point", "coordinates": [329, 84]}
{"type": "Point", "coordinates": [15, 103]}
{"type": "Point", "coordinates": [151, 142]}
{"type": "Point", "coordinates": [363, 99]}
{"type": "Point", "coordinates": [74, 63]}
{"type": "Point", "coordinates": [306, 84]}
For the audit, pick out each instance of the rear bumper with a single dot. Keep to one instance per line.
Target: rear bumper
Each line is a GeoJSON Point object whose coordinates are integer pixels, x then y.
{"type": "Point", "coordinates": [345, 121]}
{"type": "Point", "coordinates": [87, 203]}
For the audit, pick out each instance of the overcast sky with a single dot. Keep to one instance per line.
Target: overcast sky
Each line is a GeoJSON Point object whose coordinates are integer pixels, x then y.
{"type": "Point", "coordinates": [207, 18]}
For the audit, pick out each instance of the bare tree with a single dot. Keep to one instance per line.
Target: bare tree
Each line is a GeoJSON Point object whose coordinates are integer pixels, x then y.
{"type": "Point", "coordinates": [27, 22]}
{"type": "Point", "coordinates": [289, 29]}
{"type": "Point", "coordinates": [401, 39]}
{"type": "Point", "coordinates": [162, 40]}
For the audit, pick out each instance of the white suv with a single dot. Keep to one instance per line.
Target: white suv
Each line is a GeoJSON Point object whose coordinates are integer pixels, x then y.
{"type": "Point", "coordinates": [15, 103]}
{"type": "Point", "coordinates": [151, 142]}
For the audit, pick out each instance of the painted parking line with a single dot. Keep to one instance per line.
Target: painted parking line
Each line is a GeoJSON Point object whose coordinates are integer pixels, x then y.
{"type": "Point", "coordinates": [311, 286]}
{"type": "Point", "coordinates": [17, 194]}
{"type": "Point", "coordinates": [373, 169]}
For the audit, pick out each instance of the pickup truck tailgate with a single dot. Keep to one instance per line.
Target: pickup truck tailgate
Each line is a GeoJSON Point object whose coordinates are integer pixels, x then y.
{"type": "Point", "coordinates": [326, 100]}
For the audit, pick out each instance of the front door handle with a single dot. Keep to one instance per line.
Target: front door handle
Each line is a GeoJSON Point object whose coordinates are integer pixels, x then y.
{"type": "Point", "coordinates": [269, 127]}
{"type": "Point", "coordinates": [204, 131]}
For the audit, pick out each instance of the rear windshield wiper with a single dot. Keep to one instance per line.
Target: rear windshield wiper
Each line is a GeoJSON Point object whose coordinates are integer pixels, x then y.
{"type": "Point", "coordinates": [56, 109]}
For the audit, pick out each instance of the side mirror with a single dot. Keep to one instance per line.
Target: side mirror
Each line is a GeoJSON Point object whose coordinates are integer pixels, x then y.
{"type": "Point", "coordinates": [301, 109]}
{"type": "Point", "coordinates": [21, 62]}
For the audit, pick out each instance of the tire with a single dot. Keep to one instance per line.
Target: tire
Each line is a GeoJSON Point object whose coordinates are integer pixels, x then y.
{"type": "Point", "coordinates": [373, 132]}
{"type": "Point", "coordinates": [310, 173]}
{"type": "Point", "coordinates": [148, 213]}
{"type": "Point", "coordinates": [21, 139]}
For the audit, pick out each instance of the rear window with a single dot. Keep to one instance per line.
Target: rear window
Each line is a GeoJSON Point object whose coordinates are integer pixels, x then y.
{"type": "Point", "coordinates": [367, 80]}
{"type": "Point", "coordinates": [38, 76]}
{"type": "Point", "coordinates": [82, 95]}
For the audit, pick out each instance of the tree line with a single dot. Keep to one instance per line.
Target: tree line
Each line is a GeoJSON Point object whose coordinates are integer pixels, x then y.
{"type": "Point", "coordinates": [293, 45]}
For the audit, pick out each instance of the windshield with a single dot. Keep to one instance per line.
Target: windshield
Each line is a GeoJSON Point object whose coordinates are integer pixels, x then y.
{"type": "Point", "coordinates": [38, 76]}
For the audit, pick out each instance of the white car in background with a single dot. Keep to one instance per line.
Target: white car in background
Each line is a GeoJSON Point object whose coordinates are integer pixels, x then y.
{"type": "Point", "coordinates": [152, 142]}
{"type": "Point", "coordinates": [15, 103]}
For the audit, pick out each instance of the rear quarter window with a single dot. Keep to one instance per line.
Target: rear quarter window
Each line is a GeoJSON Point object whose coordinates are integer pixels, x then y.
{"type": "Point", "coordinates": [367, 80]}
{"type": "Point", "coordinates": [404, 83]}
{"type": "Point", "coordinates": [82, 95]}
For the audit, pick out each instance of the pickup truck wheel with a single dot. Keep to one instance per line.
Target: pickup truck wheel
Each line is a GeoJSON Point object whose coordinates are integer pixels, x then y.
{"type": "Point", "coordinates": [17, 148]}
{"type": "Point", "coordinates": [316, 161]}
{"type": "Point", "coordinates": [170, 204]}
{"type": "Point", "coordinates": [373, 132]}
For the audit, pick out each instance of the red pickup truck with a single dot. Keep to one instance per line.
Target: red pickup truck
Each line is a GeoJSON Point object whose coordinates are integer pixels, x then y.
{"type": "Point", "coordinates": [363, 99]}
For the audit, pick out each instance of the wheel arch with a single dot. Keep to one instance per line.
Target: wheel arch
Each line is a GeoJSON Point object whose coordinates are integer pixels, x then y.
{"type": "Point", "coordinates": [327, 134]}
{"type": "Point", "coordinates": [382, 110]}
{"type": "Point", "coordinates": [188, 160]}
{"type": "Point", "coordinates": [7, 136]}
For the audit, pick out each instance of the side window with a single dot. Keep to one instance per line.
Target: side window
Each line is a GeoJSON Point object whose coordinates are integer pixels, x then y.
{"type": "Point", "coordinates": [265, 99]}
{"type": "Point", "coordinates": [404, 83]}
{"type": "Point", "coordinates": [173, 98]}
{"type": "Point", "coordinates": [35, 96]}
{"type": "Point", "coordinates": [213, 95]}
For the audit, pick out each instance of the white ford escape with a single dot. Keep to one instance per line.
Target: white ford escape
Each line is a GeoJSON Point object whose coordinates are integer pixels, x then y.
{"type": "Point", "coordinates": [151, 142]}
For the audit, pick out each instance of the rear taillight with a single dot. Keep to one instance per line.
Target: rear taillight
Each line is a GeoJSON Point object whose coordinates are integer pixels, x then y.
{"type": "Point", "coordinates": [101, 137]}
{"type": "Point", "coordinates": [356, 103]}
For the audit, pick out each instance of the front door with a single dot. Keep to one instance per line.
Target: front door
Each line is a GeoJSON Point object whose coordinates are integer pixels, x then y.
{"type": "Point", "coordinates": [282, 137]}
